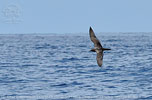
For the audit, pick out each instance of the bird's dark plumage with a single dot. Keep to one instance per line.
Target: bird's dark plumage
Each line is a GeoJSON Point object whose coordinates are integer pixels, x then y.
{"type": "Point", "coordinates": [97, 47]}
{"type": "Point", "coordinates": [94, 39]}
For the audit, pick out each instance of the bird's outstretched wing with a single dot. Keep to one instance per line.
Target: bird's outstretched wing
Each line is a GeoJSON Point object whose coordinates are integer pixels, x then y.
{"type": "Point", "coordinates": [99, 58]}
{"type": "Point", "coordinates": [94, 39]}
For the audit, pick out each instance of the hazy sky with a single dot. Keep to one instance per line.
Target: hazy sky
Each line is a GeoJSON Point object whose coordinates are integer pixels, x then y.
{"type": "Point", "coordinates": [75, 16]}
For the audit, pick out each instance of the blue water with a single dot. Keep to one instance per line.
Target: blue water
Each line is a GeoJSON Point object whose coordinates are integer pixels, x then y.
{"type": "Point", "coordinates": [60, 67]}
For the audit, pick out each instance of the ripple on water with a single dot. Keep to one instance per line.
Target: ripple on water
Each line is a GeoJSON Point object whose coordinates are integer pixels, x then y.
{"type": "Point", "coordinates": [60, 67]}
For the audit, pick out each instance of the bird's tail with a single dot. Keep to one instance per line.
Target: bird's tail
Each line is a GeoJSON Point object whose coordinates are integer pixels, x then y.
{"type": "Point", "coordinates": [105, 49]}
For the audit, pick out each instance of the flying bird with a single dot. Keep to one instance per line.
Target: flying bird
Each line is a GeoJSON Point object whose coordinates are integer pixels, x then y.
{"type": "Point", "coordinates": [97, 47]}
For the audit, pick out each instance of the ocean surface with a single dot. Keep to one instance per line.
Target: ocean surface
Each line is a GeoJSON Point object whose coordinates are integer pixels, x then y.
{"type": "Point", "coordinates": [61, 67]}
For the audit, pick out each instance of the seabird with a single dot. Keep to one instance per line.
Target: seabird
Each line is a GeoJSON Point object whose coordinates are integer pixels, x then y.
{"type": "Point", "coordinates": [97, 47]}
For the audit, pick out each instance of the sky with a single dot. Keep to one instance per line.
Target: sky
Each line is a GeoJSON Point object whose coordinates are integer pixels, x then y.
{"type": "Point", "coordinates": [75, 16]}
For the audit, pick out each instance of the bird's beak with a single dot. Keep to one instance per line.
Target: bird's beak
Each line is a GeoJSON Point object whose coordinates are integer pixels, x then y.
{"type": "Point", "coordinates": [92, 50]}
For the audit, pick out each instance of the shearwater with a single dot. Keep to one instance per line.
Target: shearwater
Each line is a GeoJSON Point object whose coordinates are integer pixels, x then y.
{"type": "Point", "coordinates": [97, 47]}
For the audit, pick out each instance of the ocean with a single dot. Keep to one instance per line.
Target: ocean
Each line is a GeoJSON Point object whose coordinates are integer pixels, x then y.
{"type": "Point", "coordinates": [61, 67]}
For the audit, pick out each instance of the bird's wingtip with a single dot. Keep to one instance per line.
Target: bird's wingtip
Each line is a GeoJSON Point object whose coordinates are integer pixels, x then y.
{"type": "Point", "coordinates": [100, 65]}
{"type": "Point", "coordinates": [90, 27]}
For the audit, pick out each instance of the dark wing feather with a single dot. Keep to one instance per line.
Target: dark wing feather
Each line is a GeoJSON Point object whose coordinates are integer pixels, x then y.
{"type": "Point", "coordinates": [94, 39]}
{"type": "Point", "coordinates": [99, 58]}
